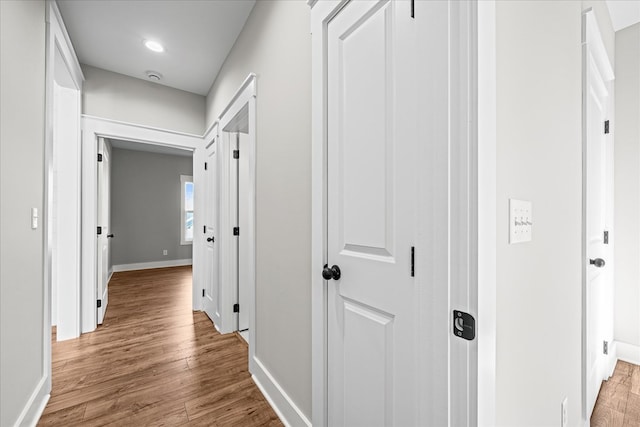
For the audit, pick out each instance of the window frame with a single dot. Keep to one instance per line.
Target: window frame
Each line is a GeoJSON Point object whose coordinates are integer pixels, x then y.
{"type": "Point", "coordinates": [184, 179]}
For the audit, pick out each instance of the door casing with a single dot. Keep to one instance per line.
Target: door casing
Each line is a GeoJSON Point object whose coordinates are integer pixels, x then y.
{"type": "Point", "coordinates": [92, 129]}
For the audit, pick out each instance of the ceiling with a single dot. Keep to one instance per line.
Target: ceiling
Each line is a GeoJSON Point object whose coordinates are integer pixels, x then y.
{"type": "Point", "coordinates": [624, 13]}
{"type": "Point", "coordinates": [197, 36]}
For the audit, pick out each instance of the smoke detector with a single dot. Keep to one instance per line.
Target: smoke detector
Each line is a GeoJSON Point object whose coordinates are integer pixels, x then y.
{"type": "Point", "coordinates": [154, 76]}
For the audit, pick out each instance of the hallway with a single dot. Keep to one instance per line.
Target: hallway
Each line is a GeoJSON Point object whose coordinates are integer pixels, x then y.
{"type": "Point", "coordinates": [154, 362]}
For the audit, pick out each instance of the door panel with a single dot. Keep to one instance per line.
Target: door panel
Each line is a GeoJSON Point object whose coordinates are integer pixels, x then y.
{"type": "Point", "coordinates": [104, 221]}
{"type": "Point", "coordinates": [372, 125]}
{"type": "Point", "coordinates": [211, 285]}
{"type": "Point", "coordinates": [595, 224]}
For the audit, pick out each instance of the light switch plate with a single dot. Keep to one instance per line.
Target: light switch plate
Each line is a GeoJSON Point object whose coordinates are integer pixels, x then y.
{"type": "Point", "coordinates": [520, 221]}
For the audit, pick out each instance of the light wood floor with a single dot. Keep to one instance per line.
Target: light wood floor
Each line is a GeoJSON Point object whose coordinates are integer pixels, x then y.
{"type": "Point", "coordinates": [154, 362]}
{"type": "Point", "coordinates": [618, 403]}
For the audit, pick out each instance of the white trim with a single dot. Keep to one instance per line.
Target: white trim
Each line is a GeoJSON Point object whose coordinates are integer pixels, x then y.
{"type": "Point", "coordinates": [63, 41]}
{"type": "Point", "coordinates": [321, 14]}
{"type": "Point", "coordinates": [92, 128]}
{"type": "Point", "coordinates": [57, 40]}
{"type": "Point", "coordinates": [139, 126]}
{"type": "Point", "coordinates": [627, 352]}
{"type": "Point", "coordinates": [283, 406]}
{"type": "Point", "coordinates": [245, 97]}
{"type": "Point", "coordinates": [487, 301]}
{"type": "Point", "coordinates": [153, 264]}
{"type": "Point", "coordinates": [247, 89]}
{"type": "Point", "coordinates": [34, 408]}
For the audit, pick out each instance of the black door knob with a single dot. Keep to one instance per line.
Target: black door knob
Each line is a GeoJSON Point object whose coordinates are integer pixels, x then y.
{"type": "Point", "coordinates": [331, 273]}
{"type": "Point", "coordinates": [598, 262]}
{"type": "Point", "coordinates": [211, 239]}
{"type": "Point", "coordinates": [109, 236]}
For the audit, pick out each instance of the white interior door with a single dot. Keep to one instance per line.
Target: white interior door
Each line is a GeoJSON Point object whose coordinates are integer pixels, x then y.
{"type": "Point", "coordinates": [211, 286]}
{"type": "Point", "coordinates": [373, 360]}
{"type": "Point", "coordinates": [243, 238]}
{"type": "Point", "coordinates": [104, 190]}
{"type": "Point", "coordinates": [597, 286]}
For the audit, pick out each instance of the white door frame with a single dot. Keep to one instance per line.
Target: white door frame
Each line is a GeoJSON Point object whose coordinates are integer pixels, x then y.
{"type": "Point", "coordinates": [92, 128]}
{"type": "Point", "coordinates": [592, 46]}
{"type": "Point", "coordinates": [471, 29]}
{"type": "Point", "coordinates": [244, 100]}
{"type": "Point", "coordinates": [59, 52]}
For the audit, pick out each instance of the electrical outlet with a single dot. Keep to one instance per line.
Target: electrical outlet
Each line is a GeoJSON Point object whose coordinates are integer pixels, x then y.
{"type": "Point", "coordinates": [164, 252]}
{"type": "Point", "coordinates": [564, 420]}
{"type": "Point", "coordinates": [520, 221]}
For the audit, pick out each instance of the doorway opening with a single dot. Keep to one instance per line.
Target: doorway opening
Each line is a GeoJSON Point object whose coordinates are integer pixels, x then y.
{"type": "Point", "coordinates": [150, 252]}
{"type": "Point", "coordinates": [145, 210]}
{"type": "Point", "coordinates": [231, 147]}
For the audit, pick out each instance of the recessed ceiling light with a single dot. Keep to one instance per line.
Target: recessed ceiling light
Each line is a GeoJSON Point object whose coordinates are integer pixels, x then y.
{"type": "Point", "coordinates": [154, 46]}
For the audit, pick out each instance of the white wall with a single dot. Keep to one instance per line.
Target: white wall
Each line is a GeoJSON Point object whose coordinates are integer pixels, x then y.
{"type": "Point", "coordinates": [627, 191]}
{"type": "Point", "coordinates": [276, 45]}
{"type": "Point", "coordinates": [539, 158]}
{"type": "Point", "coordinates": [119, 97]}
{"type": "Point", "coordinates": [25, 381]}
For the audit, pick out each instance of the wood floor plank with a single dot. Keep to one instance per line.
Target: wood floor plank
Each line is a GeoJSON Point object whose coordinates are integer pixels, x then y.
{"type": "Point", "coordinates": [604, 416]}
{"type": "Point", "coordinates": [614, 395]}
{"type": "Point", "coordinates": [617, 404]}
{"type": "Point", "coordinates": [635, 380]}
{"type": "Point", "coordinates": [154, 362]}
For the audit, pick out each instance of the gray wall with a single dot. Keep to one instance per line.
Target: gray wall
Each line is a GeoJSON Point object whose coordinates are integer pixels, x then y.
{"type": "Point", "coordinates": [22, 109]}
{"type": "Point", "coordinates": [539, 158]}
{"type": "Point", "coordinates": [276, 45]}
{"type": "Point", "coordinates": [119, 97]}
{"type": "Point", "coordinates": [627, 186]}
{"type": "Point", "coordinates": [145, 206]}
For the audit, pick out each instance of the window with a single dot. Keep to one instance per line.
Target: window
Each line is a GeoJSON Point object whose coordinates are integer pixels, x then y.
{"type": "Point", "coordinates": [186, 210]}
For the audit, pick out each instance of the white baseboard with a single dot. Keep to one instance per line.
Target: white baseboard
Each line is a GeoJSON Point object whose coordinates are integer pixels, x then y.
{"type": "Point", "coordinates": [628, 352]}
{"type": "Point", "coordinates": [34, 408]}
{"type": "Point", "coordinates": [281, 403]}
{"type": "Point", "coordinates": [149, 265]}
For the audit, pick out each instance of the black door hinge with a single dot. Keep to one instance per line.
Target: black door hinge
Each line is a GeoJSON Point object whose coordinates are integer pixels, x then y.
{"type": "Point", "coordinates": [236, 154]}
{"type": "Point", "coordinates": [236, 231]}
{"type": "Point", "coordinates": [413, 9]}
{"type": "Point", "coordinates": [236, 308]}
{"type": "Point", "coordinates": [99, 230]}
{"type": "Point", "coordinates": [205, 165]}
{"type": "Point", "coordinates": [605, 347]}
{"type": "Point", "coordinates": [606, 126]}
{"type": "Point", "coordinates": [99, 303]}
{"type": "Point", "coordinates": [204, 229]}
{"type": "Point", "coordinates": [413, 260]}
{"type": "Point", "coordinates": [99, 157]}
{"type": "Point", "coordinates": [606, 238]}
{"type": "Point", "coordinates": [203, 292]}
